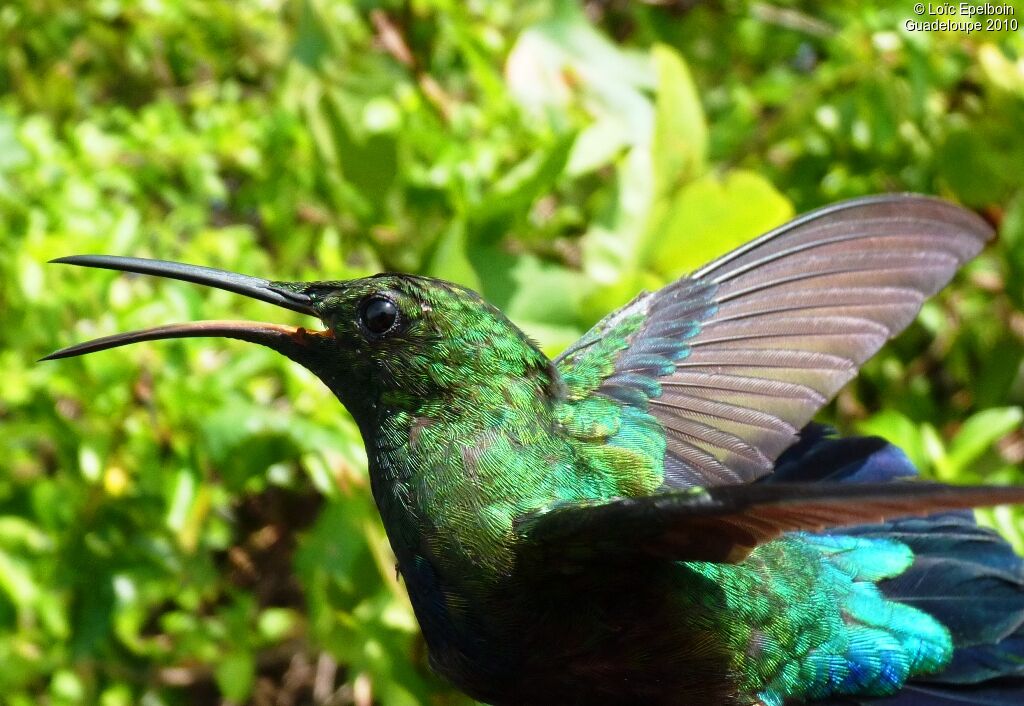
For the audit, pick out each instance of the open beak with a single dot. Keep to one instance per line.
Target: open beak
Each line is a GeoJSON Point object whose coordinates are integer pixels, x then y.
{"type": "Point", "coordinates": [292, 341]}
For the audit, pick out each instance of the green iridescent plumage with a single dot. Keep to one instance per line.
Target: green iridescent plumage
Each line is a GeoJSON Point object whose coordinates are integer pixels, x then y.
{"type": "Point", "coordinates": [625, 524]}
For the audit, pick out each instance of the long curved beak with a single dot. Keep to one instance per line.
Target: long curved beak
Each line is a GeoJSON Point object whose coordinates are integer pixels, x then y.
{"type": "Point", "coordinates": [289, 340]}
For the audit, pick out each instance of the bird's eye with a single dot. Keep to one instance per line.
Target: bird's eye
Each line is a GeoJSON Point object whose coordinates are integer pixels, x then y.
{"type": "Point", "coordinates": [378, 314]}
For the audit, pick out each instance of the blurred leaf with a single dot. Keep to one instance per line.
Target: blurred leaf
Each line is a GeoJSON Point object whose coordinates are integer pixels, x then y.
{"type": "Point", "coordinates": [367, 160]}
{"type": "Point", "coordinates": [679, 147]}
{"type": "Point", "coordinates": [12, 153]}
{"type": "Point", "coordinates": [1012, 236]}
{"type": "Point", "coordinates": [1000, 70]}
{"type": "Point", "coordinates": [711, 216]}
{"type": "Point", "coordinates": [935, 451]}
{"type": "Point", "coordinates": [564, 60]}
{"type": "Point", "coordinates": [18, 532]}
{"type": "Point", "coordinates": [979, 432]}
{"type": "Point", "coordinates": [547, 302]}
{"type": "Point", "coordinates": [312, 41]}
{"type": "Point", "coordinates": [277, 623]}
{"type": "Point", "coordinates": [450, 261]}
{"type": "Point", "coordinates": [17, 582]}
{"type": "Point", "coordinates": [235, 676]}
{"type": "Point", "coordinates": [524, 183]}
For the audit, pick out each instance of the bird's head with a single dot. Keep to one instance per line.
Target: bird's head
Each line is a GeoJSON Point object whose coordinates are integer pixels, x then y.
{"type": "Point", "coordinates": [389, 342]}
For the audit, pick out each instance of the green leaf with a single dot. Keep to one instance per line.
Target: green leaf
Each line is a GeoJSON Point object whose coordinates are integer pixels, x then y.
{"type": "Point", "coordinates": [67, 687]}
{"type": "Point", "coordinates": [680, 144]}
{"type": "Point", "coordinates": [524, 183]}
{"type": "Point", "coordinates": [935, 450]}
{"type": "Point", "coordinates": [612, 247]}
{"type": "Point", "coordinates": [450, 260]}
{"type": "Point", "coordinates": [979, 432]}
{"type": "Point", "coordinates": [278, 623]}
{"type": "Point", "coordinates": [547, 302]}
{"type": "Point", "coordinates": [1011, 234]}
{"type": "Point", "coordinates": [235, 676]}
{"type": "Point", "coordinates": [19, 532]}
{"type": "Point", "coordinates": [368, 160]}
{"type": "Point", "coordinates": [564, 61]}
{"type": "Point", "coordinates": [711, 216]}
{"type": "Point", "coordinates": [181, 499]}
{"type": "Point", "coordinates": [17, 582]}
{"type": "Point", "coordinates": [312, 40]}
{"type": "Point", "coordinates": [12, 153]}
{"type": "Point", "coordinates": [545, 292]}
{"type": "Point", "coordinates": [597, 145]}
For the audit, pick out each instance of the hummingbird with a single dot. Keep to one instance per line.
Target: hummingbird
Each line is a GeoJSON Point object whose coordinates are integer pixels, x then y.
{"type": "Point", "coordinates": [653, 517]}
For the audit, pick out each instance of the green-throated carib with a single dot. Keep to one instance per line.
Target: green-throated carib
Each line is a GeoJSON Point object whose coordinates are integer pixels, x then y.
{"type": "Point", "coordinates": [652, 518]}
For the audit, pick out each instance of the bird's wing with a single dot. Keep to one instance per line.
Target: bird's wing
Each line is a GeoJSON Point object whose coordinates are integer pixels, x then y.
{"type": "Point", "coordinates": [730, 362]}
{"type": "Point", "coordinates": [724, 524]}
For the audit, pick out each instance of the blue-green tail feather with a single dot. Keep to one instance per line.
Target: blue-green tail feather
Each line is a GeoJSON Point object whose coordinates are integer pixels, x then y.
{"type": "Point", "coordinates": [965, 576]}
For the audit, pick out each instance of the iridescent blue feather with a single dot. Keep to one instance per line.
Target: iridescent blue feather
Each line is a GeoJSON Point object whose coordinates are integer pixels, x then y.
{"type": "Point", "coordinates": [965, 576]}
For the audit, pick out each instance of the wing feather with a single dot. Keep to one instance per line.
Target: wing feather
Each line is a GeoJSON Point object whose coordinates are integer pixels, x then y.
{"type": "Point", "coordinates": [724, 524]}
{"type": "Point", "coordinates": [733, 359]}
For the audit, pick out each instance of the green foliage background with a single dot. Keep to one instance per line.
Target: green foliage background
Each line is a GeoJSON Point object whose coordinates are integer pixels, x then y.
{"type": "Point", "coordinates": [189, 522]}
